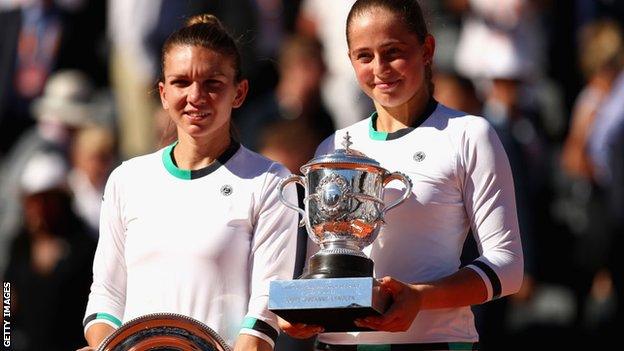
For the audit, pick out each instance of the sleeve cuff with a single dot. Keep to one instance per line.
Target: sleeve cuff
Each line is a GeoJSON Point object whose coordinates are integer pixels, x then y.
{"type": "Point", "coordinates": [101, 318]}
{"type": "Point", "coordinates": [489, 276]}
{"type": "Point", "coordinates": [260, 329]}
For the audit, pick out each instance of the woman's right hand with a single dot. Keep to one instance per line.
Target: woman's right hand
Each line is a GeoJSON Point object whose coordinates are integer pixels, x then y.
{"type": "Point", "coordinates": [87, 348]}
{"type": "Point", "coordinates": [299, 330]}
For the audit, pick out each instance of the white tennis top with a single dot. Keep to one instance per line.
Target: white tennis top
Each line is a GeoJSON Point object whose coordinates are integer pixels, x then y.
{"type": "Point", "coordinates": [462, 182]}
{"type": "Point", "coordinates": [200, 243]}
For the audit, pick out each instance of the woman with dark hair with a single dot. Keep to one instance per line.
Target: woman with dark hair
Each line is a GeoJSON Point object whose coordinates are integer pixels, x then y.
{"type": "Point", "coordinates": [462, 183]}
{"type": "Point", "coordinates": [195, 228]}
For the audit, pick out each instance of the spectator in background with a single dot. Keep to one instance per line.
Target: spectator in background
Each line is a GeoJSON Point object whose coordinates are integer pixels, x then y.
{"type": "Point", "coordinates": [296, 98]}
{"type": "Point", "coordinates": [33, 43]}
{"type": "Point", "coordinates": [326, 20]}
{"type": "Point", "coordinates": [49, 264]}
{"type": "Point", "coordinates": [457, 92]}
{"type": "Point", "coordinates": [497, 34]}
{"type": "Point", "coordinates": [64, 108]}
{"type": "Point", "coordinates": [600, 52]}
{"type": "Point", "coordinates": [132, 28]}
{"type": "Point", "coordinates": [288, 142]}
{"type": "Point", "coordinates": [586, 204]}
{"type": "Point", "coordinates": [501, 41]}
{"type": "Point", "coordinates": [260, 26]}
{"type": "Point", "coordinates": [92, 158]}
{"type": "Point", "coordinates": [606, 151]}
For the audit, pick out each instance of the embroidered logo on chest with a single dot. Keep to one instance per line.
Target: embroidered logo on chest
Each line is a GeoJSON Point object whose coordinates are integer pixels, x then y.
{"type": "Point", "coordinates": [419, 156]}
{"type": "Point", "coordinates": [226, 190]}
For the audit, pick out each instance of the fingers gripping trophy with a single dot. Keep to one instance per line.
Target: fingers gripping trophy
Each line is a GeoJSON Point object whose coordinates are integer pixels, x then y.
{"type": "Point", "coordinates": [344, 212]}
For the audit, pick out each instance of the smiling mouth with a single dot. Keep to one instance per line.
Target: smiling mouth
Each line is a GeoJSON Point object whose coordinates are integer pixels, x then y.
{"type": "Point", "coordinates": [386, 85]}
{"type": "Point", "coordinates": [197, 116]}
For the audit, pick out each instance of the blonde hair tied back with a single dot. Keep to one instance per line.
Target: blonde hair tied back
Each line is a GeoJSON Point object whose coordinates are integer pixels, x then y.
{"type": "Point", "coordinates": [205, 18]}
{"type": "Point", "coordinates": [204, 30]}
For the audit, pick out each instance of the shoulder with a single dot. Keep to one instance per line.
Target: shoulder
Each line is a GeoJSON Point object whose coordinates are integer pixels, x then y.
{"type": "Point", "coordinates": [259, 174]}
{"type": "Point", "coordinates": [460, 125]}
{"type": "Point", "coordinates": [247, 163]}
{"type": "Point", "coordinates": [137, 168]}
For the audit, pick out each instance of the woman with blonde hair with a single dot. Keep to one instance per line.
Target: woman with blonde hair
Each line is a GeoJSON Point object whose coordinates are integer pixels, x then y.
{"type": "Point", "coordinates": [195, 228]}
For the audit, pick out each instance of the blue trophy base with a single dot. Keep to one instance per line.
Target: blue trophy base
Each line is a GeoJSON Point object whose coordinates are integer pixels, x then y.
{"type": "Point", "coordinates": [333, 303]}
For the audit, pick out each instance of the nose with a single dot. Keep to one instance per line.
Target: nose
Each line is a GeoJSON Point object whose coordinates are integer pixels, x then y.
{"type": "Point", "coordinates": [380, 66]}
{"type": "Point", "coordinates": [196, 94]}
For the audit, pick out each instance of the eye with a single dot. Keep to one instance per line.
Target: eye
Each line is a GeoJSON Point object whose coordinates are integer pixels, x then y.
{"type": "Point", "coordinates": [214, 84]}
{"type": "Point", "coordinates": [392, 53]}
{"type": "Point", "coordinates": [181, 83]}
{"type": "Point", "coordinates": [363, 57]}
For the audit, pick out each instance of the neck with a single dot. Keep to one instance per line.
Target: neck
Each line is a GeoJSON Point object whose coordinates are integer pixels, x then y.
{"type": "Point", "coordinates": [391, 119]}
{"type": "Point", "coordinates": [194, 153]}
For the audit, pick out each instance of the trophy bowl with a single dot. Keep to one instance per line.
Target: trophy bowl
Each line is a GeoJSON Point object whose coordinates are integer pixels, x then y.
{"type": "Point", "coordinates": [164, 332]}
{"type": "Point", "coordinates": [344, 213]}
{"type": "Point", "coordinates": [344, 209]}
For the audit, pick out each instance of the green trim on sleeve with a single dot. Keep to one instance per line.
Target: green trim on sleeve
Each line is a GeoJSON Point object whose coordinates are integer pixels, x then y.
{"type": "Point", "coordinates": [260, 326]}
{"type": "Point", "coordinates": [249, 323]}
{"type": "Point", "coordinates": [108, 317]}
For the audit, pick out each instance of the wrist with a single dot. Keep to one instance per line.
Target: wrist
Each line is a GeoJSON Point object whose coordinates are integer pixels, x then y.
{"type": "Point", "coordinates": [423, 292]}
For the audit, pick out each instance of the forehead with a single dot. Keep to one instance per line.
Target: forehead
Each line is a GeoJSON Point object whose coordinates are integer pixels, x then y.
{"type": "Point", "coordinates": [182, 58]}
{"type": "Point", "coordinates": [378, 23]}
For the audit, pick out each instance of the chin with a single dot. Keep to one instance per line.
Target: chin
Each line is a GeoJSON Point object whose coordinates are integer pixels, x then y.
{"type": "Point", "coordinates": [196, 132]}
{"type": "Point", "coordinates": [391, 102]}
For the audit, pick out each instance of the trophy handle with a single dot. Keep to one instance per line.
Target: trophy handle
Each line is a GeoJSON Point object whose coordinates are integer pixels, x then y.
{"type": "Point", "coordinates": [297, 179]}
{"type": "Point", "coordinates": [408, 188]}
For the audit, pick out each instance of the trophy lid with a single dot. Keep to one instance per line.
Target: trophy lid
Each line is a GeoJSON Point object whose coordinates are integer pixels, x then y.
{"type": "Point", "coordinates": [347, 155]}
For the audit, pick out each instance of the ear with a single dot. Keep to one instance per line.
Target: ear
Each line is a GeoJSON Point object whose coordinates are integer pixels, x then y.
{"type": "Point", "coordinates": [428, 49]}
{"type": "Point", "coordinates": [241, 92]}
{"type": "Point", "coordinates": [163, 97]}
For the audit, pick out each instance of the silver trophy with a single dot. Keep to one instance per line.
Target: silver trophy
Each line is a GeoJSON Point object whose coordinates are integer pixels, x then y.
{"type": "Point", "coordinates": [344, 213]}
{"type": "Point", "coordinates": [164, 331]}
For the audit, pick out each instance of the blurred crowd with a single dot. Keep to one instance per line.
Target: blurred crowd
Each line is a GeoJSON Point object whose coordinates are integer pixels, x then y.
{"type": "Point", "coordinates": [77, 97]}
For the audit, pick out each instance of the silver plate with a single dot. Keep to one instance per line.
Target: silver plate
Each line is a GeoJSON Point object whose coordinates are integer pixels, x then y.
{"type": "Point", "coordinates": [164, 332]}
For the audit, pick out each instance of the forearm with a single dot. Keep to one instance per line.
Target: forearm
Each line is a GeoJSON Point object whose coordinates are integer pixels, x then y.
{"type": "Point", "coordinates": [463, 288]}
{"type": "Point", "coordinates": [246, 342]}
{"type": "Point", "coordinates": [97, 333]}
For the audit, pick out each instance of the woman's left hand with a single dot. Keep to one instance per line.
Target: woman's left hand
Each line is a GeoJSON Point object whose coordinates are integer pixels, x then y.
{"type": "Point", "coordinates": [405, 306]}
